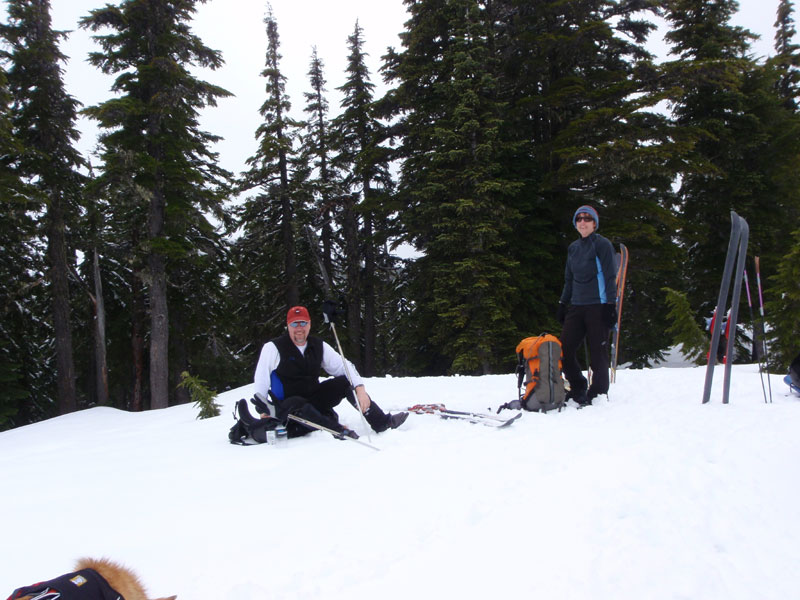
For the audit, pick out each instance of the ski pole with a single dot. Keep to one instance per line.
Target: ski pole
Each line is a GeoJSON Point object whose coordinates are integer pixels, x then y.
{"type": "Point", "coordinates": [312, 240]}
{"type": "Point", "coordinates": [753, 321]}
{"type": "Point", "coordinates": [763, 325]}
{"type": "Point", "coordinates": [347, 371]}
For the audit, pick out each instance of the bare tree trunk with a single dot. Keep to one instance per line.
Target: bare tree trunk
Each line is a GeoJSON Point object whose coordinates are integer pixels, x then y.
{"type": "Point", "coordinates": [369, 298]}
{"type": "Point", "coordinates": [101, 363]}
{"type": "Point", "coordinates": [59, 279]}
{"type": "Point", "coordinates": [137, 342]}
{"type": "Point", "coordinates": [287, 232]}
{"type": "Point", "coordinates": [327, 250]}
{"type": "Point", "coordinates": [159, 313]}
{"type": "Point", "coordinates": [290, 263]}
{"type": "Point", "coordinates": [353, 277]}
{"type": "Point", "coordinates": [758, 340]}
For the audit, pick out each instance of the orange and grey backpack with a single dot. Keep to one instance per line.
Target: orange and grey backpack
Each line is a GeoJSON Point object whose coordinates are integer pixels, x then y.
{"type": "Point", "coordinates": [539, 366]}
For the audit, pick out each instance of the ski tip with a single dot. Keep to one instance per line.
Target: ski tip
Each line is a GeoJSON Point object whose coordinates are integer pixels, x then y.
{"type": "Point", "coordinates": [510, 420]}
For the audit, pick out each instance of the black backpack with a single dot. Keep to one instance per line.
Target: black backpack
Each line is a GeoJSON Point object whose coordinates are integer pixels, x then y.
{"type": "Point", "coordinates": [247, 426]}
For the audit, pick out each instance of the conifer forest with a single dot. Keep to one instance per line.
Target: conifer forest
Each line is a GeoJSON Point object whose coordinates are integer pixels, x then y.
{"type": "Point", "coordinates": [124, 274]}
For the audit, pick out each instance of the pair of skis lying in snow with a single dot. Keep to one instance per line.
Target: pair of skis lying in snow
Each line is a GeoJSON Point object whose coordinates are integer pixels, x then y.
{"type": "Point", "coordinates": [472, 417]}
{"type": "Point", "coordinates": [420, 409]}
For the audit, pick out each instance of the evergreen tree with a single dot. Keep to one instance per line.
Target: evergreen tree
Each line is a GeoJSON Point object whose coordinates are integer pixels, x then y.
{"type": "Point", "coordinates": [578, 124]}
{"type": "Point", "coordinates": [117, 224]}
{"type": "Point", "coordinates": [457, 199]}
{"type": "Point", "coordinates": [787, 55]}
{"type": "Point", "coordinates": [746, 154]}
{"type": "Point", "coordinates": [770, 192]}
{"type": "Point", "coordinates": [783, 306]}
{"type": "Point", "coordinates": [24, 364]}
{"type": "Point", "coordinates": [152, 142]}
{"type": "Point", "coordinates": [316, 147]}
{"type": "Point", "coordinates": [268, 281]}
{"type": "Point", "coordinates": [43, 117]}
{"type": "Point", "coordinates": [684, 330]}
{"type": "Point", "coordinates": [202, 397]}
{"type": "Point", "coordinates": [709, 76]}
{"type": "Point", "coordinates": [782, 311]}
{"type": "Point", "coordinates": [269, 168]}
{"type": "Point", "coordinates": [359, 135]}
{"type": "Point", "coordinates": [583, 96]}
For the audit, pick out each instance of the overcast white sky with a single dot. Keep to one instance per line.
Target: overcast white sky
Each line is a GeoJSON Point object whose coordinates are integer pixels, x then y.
{"type": "Point", "coordinates": [236, 28]}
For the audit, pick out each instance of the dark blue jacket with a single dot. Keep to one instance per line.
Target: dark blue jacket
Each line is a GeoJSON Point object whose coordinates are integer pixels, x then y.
{"type": "Point", "coordinates": [590, 276]}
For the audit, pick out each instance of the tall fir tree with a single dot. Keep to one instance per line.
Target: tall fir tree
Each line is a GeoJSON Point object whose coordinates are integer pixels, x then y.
{"type": "Point", "coordinates": [457, 198]}
{"type": "Point", "coordinates": [362, 157]}
{"type": "Point", "coordinates": [783, 306]}
{"type": "Point", "coordinates": [583, 95]}
{"type": "Point", "coordinates": [708, 75]}
{"type": "Point", "coordinates": [578, 124]}
{"type": "Point", "coordinates": [268, 281]}
{"type": "Point", "coordinates": [25, 383]}
{"type": "Point", "coordinates": [152, 141]}
{"type": "Point", "coordinates": [43, 118]}
{"type": "Point", "coordinates": [746, 150]}
{"type": "Point", "coordinates": [782, 309]}
{"type": "Point", "coordinates": [324, 184]}
{"type": "Point", "coordinates": [770, 191]}
{"type": "Point", "coordinates": [117, 224]}
{"type": "Point", "coordinates": [787, 54]}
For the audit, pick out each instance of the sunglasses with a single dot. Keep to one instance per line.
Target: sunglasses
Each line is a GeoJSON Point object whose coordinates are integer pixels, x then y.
{"type": "Point", "coordinates": [298, 324]}
{"type": "Point", "coordinates": [582, 218]}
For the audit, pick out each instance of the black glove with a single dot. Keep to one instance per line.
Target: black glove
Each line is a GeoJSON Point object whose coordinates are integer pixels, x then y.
{"type": "Point", "coordinates": [330, 310]}
{"type": "Point", "coordinates": [260, 406]}
{"type": "Point", "coordinates": [609, 315]}
{"type": "Point", "coordinates": [561, 313]}
{"type": "Point", "coordinates": [279, 409]}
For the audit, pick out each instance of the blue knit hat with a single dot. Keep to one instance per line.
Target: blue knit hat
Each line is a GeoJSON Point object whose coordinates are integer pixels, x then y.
{"type": "Point", "coordinates": [587, 209]}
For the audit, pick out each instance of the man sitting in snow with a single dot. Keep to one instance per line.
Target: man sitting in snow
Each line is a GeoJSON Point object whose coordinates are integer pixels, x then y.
{"type": "Point", "coordinates": [288, 374]}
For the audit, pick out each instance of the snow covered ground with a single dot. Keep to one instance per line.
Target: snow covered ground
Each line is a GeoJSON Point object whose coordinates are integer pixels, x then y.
{"type": "Point", "coordinates": [649, 495]}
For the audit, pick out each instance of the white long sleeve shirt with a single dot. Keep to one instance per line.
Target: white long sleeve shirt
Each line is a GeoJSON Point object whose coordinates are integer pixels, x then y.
{"type": "Point", "coordinates": [270, 358]}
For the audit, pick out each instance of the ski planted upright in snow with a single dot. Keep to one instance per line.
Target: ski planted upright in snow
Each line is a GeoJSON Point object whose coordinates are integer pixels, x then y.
{"type": "Point", "coordinates": [472, 417]}
{"type": "Point", "coordinates": [737, 252]}
{"type": "Point", "coordinates": [622, 274]}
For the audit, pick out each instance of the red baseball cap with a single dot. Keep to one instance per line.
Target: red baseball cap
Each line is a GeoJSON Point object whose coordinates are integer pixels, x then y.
{"type": "Point", "coordinates": [297, 313]}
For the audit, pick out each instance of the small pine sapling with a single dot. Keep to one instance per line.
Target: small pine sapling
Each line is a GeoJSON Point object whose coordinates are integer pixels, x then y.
{"type": "Point", "coordinates": [684, 330]}
{"type": "Point", "coordinates": [202, 396]}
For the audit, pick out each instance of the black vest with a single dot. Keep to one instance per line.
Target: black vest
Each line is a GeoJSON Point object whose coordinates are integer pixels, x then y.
{"type": "Point", "coordinates": [87, 584]}
{"type": "Point", "coordinates": [299, 372]}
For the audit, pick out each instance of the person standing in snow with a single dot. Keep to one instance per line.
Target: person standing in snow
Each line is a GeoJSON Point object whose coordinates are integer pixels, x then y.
{"type": "Point", "coordinates": [288, 373]}
{"type": "Point", "coordinates": [587, 308]}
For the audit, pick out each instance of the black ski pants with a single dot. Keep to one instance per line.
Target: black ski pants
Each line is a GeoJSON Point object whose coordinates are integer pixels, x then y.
{"type": "Point", "coordinates": [585, 321]}
{"type": "Point", "coordinates": [328, 395]}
